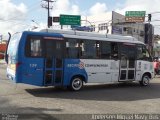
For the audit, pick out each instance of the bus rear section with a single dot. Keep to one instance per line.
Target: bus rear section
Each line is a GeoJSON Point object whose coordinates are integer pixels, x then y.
{"type": "Point", "coordinates": [43, 62]}
{"type": "Point", "coordinates": [42, 56]}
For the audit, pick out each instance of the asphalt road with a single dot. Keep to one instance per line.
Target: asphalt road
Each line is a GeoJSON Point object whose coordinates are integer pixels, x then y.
{"type": "Point", "coordinates": [92, 99]}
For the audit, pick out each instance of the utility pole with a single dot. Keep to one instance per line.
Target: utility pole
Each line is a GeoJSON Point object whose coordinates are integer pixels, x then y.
{"type": "Point", "coordinates": [150, 38]}
{"type": "Point", "coordinates": [47, 6]}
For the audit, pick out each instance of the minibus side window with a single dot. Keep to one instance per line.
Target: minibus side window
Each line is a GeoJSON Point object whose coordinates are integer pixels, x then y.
{"type": "Point", "coordinates": [142, 53]}
{"type": "Point", "coordinates": [34, 47]}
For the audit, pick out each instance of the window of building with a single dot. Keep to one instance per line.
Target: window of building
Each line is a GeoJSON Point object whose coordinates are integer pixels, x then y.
{"type": "Point", "coordinates": [141, 33]}
{"type": "Point", "coordinates": [129, 31]}
{"type": "Point", "coordinates": [124, 29]}
{"type": "Point", "coordinates": [137, 31]}
{"type": "Point", "coordinates": [134, 30]}
{"type": "Point", "coordinates": [103, 26]}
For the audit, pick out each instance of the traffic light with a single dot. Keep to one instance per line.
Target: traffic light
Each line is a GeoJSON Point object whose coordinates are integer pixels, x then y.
{"type": "Point", "coordinates": [149, 17]}
{"type": "Point", "coordinates": [49, 21]}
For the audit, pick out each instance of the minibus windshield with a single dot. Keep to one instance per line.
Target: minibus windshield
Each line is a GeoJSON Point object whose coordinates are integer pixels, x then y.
{"type": "Point", "coordinates": [13, 44]}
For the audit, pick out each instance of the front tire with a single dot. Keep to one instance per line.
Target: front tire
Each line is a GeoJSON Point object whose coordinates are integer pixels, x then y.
{"type": "Point", "coordinates": [145, 80]}
{"type": "Point", "coordinates": [76, 84]}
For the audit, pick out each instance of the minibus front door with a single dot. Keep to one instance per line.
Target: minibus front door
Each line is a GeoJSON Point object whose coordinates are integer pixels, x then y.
{"type": "Point", "coordinates": [127, 62]}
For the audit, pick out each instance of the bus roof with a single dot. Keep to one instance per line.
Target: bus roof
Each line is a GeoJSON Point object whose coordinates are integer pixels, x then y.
{"type": "Point", "coordinates": [93, 35]}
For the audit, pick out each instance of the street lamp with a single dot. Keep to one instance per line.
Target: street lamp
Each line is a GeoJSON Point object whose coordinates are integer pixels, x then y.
{"type": "Point", "coordinates": [35, 22]}
{"type": "Point", "coordinates": [35, 27]}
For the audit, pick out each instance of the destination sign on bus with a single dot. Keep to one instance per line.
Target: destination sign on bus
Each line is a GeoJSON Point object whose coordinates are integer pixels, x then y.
{"type": "Point", "coordinates": [53, 38]}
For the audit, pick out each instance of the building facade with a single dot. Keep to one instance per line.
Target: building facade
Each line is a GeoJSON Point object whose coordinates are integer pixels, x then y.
{"type": "Point", "coordinates": [114, 23]}
{"type": "Point", "coordinates": [156, 48]}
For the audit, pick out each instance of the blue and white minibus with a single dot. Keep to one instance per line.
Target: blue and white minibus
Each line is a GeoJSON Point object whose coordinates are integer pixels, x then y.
{"type": "Point", "coordinates": [72, 58]}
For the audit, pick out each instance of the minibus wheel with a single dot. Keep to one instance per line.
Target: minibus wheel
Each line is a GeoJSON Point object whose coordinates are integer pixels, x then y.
{"type": "Point", "coordinates": [76, 84]}
{"type": "Point", "coordinates": [145, 80]}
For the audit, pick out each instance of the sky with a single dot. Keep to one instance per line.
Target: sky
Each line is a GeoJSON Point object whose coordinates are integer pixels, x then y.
{"type": "Point", "coordinates": [18, 15]}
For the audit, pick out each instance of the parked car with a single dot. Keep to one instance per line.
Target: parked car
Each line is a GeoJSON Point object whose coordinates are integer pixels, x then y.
{"type": "Point", "coordinates": [1, 55]}
{"type": "Point", "coordinates": [2, 50]}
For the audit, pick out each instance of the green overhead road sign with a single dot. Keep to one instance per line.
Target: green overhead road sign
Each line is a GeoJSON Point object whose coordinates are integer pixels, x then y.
{"type": "Point", "coordinates": [135, 16]}
{"type": "Point", "coordinates": [70, 20]}
{"type": "Point", "coordinates": [135, 13]}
